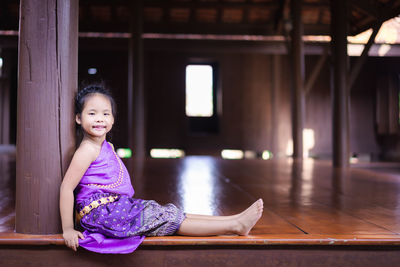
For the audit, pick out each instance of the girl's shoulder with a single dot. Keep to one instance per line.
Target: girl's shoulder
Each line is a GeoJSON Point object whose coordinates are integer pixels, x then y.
{"type": "Point", "coordinates": [112, 146]}
{"type": "Point", "coordinates": [88, 150]}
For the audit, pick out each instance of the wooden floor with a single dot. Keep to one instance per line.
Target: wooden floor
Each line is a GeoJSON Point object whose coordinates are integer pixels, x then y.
{"type": "Point", "coordinates": [306, 202]}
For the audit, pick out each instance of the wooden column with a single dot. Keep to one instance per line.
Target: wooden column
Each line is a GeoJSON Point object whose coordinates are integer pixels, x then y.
{"type": "Point", "coordinates": [340, 92]}
{"type": "Point", "coordinates": [297, 58]}
{"type": "Point", "coordinates": [47, 81]}
{"type": "Point", "coordinates": [136, 99]}
{"type": "Point", "coordinates": [276, 84]}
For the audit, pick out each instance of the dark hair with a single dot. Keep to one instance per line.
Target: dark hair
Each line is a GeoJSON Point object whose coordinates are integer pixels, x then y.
{"type": "Point", "coordinates": [90, 90]}
{"type": "Point", "coordinates": [80, 100]}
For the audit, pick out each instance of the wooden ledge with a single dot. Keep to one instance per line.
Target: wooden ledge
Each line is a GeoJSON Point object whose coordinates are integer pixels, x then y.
{"type": "Point", "coordinates": [264, 240]}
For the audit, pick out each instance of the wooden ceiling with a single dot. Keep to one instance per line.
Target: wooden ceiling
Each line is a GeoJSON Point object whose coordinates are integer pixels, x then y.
{"type": "Point", "coordinates": [233, 17]}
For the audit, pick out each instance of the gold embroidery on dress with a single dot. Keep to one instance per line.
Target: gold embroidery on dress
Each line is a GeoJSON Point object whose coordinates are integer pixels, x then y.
{"type": "Point", "coordinates": [94, 204]}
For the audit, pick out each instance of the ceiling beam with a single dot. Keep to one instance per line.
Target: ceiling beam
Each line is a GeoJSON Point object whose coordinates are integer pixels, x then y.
{"type": "Point", "coordinates": [366, 7]}
{"type": "Point", "coordinates": [361, 60]}
{"type": "Point", "coordinates": [201, 4]}
{"type": "Point", "coordinates": [316, 71]}
{"type": "Point", "coordinates": [200, 28]}
{"type": "Point", "coordinates": [390, 10]}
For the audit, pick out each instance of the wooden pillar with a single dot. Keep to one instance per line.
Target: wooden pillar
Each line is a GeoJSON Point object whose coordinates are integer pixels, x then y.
{"type": "Point", "coordinates": [276, 84]}
{"type": "Point", "coordinates": [340, 92]}
{"type": "Point", "coordinates": [136, 99]}
{"type": "Point", "coordinates": [47, 81]}
{"type": "Point", "coordinates": [297, 60]}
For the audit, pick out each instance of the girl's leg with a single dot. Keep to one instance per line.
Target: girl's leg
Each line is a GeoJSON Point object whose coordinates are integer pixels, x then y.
{"type": "Point", "coordinates": [223, 218]}
{"type": "Point", "coordinates": [240, 224]}
{"type": "Point", "coordinates": [210, 217]}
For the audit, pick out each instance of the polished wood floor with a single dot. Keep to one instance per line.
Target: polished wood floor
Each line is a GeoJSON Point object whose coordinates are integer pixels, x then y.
{"type": "Point", "coordinates": [306, 202]}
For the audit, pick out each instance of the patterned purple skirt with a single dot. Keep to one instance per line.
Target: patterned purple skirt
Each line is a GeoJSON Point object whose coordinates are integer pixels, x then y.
{"type": "Point", "coordinates": [132, 217]}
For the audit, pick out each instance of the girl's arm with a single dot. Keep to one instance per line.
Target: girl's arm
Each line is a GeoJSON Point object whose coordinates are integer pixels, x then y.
{"type": "Point", "coordinates": [81, 161]}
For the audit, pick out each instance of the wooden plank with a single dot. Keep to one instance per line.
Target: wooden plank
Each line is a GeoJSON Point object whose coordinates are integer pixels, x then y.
{"type": "Point", "coordinates": [265, 240]}
{"type": "Point", "coordinates": [203, 190]}
{"type": "Point", "coordinates": [205, 256]}
{"type": "Point", "coordinates": [321, 219]}
{"type": "Point", "coordinates": [351, 202]}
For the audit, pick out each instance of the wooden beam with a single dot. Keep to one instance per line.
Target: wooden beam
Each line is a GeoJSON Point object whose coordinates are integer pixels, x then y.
{"type": "Point", "coordinates": [361, 60]}
{"type": "Point", "coordinates": [365, 7]}
{"type": "Point", "coordinates": [136, 100]}
{"type": "Point", "coordinates": [47, 81]}
{"type": "Point", "coordinates": [316, 71]}
{"type": "Point", "coordinates": [222, 28]}
{"type": "Point", "coordinates": [391, 10]}
{"type": "Point", "coordinates": [205, 4]}
{"type": "Point", "coordinates": [298, 70]}
{"type": "Point", "coordinates": [210, 4]}
{"type": "Point", "coordinates": [340, 93]}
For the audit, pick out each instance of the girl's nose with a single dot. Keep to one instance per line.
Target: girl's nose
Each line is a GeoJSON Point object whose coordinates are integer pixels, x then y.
{"type": "Point", "coordinates": [99, 118]}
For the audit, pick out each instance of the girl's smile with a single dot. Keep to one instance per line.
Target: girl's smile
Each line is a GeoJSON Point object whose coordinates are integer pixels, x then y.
{"type": "Point", "coordinates": [99, 127]}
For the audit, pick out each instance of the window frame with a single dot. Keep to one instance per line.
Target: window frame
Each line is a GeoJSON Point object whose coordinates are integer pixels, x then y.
{"type": "Point", "coordinates": [205, 125]}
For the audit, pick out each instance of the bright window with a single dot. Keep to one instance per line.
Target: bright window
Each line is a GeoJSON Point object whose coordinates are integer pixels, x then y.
{"type": "Point", "coordinates": [199, 90]}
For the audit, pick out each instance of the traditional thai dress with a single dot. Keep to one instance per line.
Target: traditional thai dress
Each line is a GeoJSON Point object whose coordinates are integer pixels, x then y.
{"type": "Point", "coordinates": [114, 221]}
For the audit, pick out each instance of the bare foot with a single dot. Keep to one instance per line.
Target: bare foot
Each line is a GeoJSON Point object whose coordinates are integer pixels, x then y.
{"type": "Point", "coordinates": [248, 218]}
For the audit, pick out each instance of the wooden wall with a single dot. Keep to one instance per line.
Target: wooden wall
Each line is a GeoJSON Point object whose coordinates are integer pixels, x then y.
{"type": "Point", "coordinates": [245, 98]}
{"type": "Point", "coordinates": [254, 95]}
{"type": "Point", "coordinates": [379, 77]}
{"type": "Point", "coordinates": [319, 109]}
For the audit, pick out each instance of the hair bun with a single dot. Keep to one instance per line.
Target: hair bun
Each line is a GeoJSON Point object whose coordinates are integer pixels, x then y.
{"type": "Point", "coordinates": [89, 90]}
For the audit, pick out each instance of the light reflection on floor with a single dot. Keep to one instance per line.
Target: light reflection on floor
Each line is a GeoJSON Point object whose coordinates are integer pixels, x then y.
{"type": "Point", "coordinates": [197, 185]}
{"type": "Point", "coordinates": [307, 185]}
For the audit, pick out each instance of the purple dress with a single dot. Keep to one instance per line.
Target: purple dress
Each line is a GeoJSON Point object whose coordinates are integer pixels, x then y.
{"type": "Point", "coordinates": [114, 221]}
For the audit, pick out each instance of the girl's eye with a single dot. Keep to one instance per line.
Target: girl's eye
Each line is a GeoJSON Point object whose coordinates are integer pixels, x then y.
{"type": "Point", "coordinates": [91, 113]}
{"type": "Point", "coordinates": [106, 114]}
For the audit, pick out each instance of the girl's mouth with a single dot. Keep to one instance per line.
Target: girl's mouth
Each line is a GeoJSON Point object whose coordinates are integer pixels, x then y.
{"type": "Point", "coordinates": [99, 127]}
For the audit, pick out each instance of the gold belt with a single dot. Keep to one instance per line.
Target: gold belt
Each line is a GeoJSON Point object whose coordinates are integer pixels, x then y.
{"type": "Point", "coordinates": [94, 204]}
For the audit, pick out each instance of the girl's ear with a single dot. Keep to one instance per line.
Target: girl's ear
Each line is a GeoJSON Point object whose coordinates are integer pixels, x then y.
{"type": "Point", "coordinates": [78, 119]}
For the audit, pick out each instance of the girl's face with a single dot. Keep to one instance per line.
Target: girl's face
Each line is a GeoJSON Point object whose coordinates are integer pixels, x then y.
{"type": "Point", "coordinates": [96, 118]}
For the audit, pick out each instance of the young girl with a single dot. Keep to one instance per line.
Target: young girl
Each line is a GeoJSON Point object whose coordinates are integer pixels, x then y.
{"type": "Point", "coordinates": [114, 221]}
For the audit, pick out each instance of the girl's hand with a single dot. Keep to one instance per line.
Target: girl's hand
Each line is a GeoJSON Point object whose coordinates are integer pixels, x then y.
{"type": "Point", "coordinates": [71, 238]}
